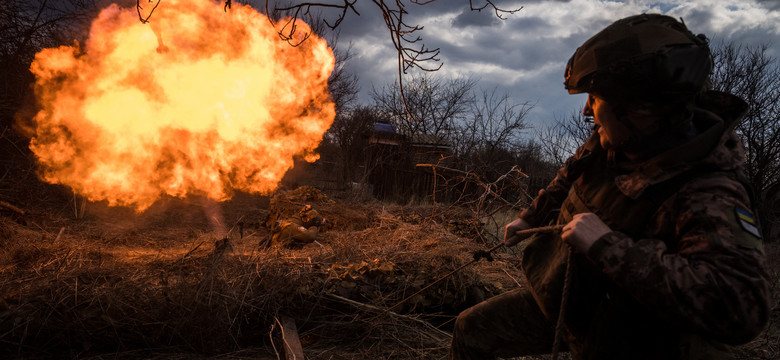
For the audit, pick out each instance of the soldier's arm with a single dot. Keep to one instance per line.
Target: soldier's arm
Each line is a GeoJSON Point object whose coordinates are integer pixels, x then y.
{"type": "Point", "coordinates": [303, 235]}
{"type": "Point", "coordinates": [711, 277]}
{"type": "Point", "coordinates": [291, 231]}
{"type": "Point", "coordinates": [544, 208]}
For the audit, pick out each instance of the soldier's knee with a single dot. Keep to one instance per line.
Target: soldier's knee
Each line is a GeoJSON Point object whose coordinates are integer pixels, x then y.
{"type": "Point", "coordinates": [465, 337]}
{"type": "Point", "coordinates": [470, 333]}
{"type": "Point", "coordinates": [460, 326]}
{"type": "Point", "coordinates": [465, 321]}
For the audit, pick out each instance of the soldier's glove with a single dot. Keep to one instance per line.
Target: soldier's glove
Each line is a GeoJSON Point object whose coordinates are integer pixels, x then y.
{"type": "Point", "coordinates": [510, 238]}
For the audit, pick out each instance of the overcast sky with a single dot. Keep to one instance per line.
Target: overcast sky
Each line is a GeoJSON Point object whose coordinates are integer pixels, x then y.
{"type": "Point", "coordinates": [525, 55]}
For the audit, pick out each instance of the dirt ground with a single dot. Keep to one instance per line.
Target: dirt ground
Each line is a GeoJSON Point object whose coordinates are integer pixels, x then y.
{"type": "Point", "coordinates": [194, 279]}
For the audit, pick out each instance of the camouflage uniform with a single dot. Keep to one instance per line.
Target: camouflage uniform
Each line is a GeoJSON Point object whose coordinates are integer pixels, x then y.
{"type": "Point", "coordinates": [310, 217]}
{"type": "Point", "coordinates": [681, 276]}
{"type": "Point", "coordinates": [290, 233]}
{"type": "Point", "coordinates": [298, 231]}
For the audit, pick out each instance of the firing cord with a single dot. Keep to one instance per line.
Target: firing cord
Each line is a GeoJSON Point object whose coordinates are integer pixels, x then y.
{"type": "Point", "coordinates": [477, 256]}
{"type": "Point", "coordinates": [564, 303]}
{"type": "Point", "coordinates": [483, 254]}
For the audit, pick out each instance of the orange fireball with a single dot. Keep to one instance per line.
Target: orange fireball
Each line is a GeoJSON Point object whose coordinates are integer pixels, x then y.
{"type": "Point", "coordinates": [198, 101]}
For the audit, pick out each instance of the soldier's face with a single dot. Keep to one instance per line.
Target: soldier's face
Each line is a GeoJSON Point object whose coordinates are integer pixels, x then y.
{"type": "Point", "coordinates": [612, 132]}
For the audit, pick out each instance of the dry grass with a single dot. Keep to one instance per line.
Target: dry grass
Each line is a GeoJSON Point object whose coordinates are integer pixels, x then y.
{"type": "Point", "coordinates": [116, 285]}
{"type": "Point", "coordinates": [155, 285]}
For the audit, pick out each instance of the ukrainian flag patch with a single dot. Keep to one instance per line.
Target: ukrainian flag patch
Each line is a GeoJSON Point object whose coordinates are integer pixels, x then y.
{"type": "Point", "coordinates": [748, 222]}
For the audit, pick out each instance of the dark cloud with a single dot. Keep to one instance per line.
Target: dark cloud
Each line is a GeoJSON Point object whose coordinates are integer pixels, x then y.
{"type": "Point", "coordinates": [522, 45]}
{"type": "Point", "coordinates": [530, 24]}
{"type": "Point", "coordinates": [773, 5]}
{"type": "Point", "coordinates": [475, 18]}
{"type": "Point", "coordinates": [699, 20]}
{"type": "Point", "coordinates": [507, 54]}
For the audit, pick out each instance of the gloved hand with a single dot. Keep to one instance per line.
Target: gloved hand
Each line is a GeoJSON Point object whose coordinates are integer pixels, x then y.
{"type": "Point", "coordinates": [510, 238]}
{"type": "Point", "coordinates": [583, 230]}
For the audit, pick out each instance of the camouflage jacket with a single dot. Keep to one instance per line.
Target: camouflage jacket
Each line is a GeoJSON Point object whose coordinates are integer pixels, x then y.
{"type": "Point", "coordinates": [292, 232]}
{"type": "Point", "coordinates": [682, 273]}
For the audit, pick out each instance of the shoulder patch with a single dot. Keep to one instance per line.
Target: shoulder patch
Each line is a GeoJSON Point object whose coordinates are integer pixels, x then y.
{"type": "Point", "coordinates": [747, 221]}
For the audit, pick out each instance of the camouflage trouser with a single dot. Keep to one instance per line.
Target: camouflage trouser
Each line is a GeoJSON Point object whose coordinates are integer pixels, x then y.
{"type": "Point", "coordinates": [507, 325]}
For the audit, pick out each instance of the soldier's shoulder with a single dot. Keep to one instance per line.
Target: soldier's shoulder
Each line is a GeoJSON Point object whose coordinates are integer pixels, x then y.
{"type": "Point", "coordinates": [725, 183]}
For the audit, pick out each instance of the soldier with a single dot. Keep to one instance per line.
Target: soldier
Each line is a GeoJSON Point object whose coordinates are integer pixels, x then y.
{"type": "Point", "coordinates": [298, 231]}
{"type": "Point", "coordinates": [311, 217]}
{"type": "Point", "coordinates": [664, 254]}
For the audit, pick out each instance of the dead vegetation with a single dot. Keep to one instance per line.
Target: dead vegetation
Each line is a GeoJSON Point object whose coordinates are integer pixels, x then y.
{"type": "Point", "coordinates": [161, 285]}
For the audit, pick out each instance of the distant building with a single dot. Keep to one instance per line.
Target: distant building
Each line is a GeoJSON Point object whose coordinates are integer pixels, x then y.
{"type": "Point", "coordinates": [385, 134]}
{"type": "Point", "coordinates": [429, 149]}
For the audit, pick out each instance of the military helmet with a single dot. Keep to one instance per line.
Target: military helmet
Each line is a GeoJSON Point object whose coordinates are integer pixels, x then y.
{"type": "Point", "coordinates": [648, 57]}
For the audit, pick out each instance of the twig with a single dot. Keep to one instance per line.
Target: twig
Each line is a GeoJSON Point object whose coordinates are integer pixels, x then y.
{"type": "Point", "coordinates": [79, 206]}
{"type": "Point", "coordinates": [443, 277]}
{"type": "Point", "coordinates": [271, 336]}
{"type": "Point", "coordinates": [8, 206]}
{"type": "Point", "coordinates": [477, 256]}
{"type": "Point", "coordinates": [62, 230]}
{"type": "Point", "coordinates": [499, 12]}
{"type": "Point", "coordinates": [240, 225]}
{"type": "Point", "coordinates": [12, 143]}
{"type": "Point", "coordinates": [191, 251]}
{"type": "Point", "coordinates": [387, 311]}
{"type": "Point", "coordinates": [138, 8]}
{"type": "Point", "coordinates": [487, 187]}
{"type": "Point", "coordinates": [243, 298]}
{"type": "Point", "coordinates": [511, 277]}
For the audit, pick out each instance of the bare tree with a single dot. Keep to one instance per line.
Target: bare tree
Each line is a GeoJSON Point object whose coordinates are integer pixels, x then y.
{"type": "Point", "coordinates": [753, 75]}
{"type": "Point", "coordinates": [350, 133]}
{"type": "Point", "coordinates": [437, 106]}
{"type": "Point", "coordinates": [26, 26]}
{"type": "Point", "coordinates": [559, 141]}
{"type": "Point", "coordinates": [540, 170]}
{"type": "Point", "coordinates": [487, 138]}
{"type": "Point", "coordinates": [483, 127]}
{"type": "Point", "coordinates": [342, 84]}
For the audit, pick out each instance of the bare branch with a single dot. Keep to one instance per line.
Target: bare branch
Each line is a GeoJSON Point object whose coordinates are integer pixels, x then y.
{"type": "Point", "coordinates": [483, 197]}
{"type": "Point", "coordinates": [138, 8]}
{"type": "Point", "coordinates": [402, 34]}
{"type": "Point", "coordinates": [499, 12]}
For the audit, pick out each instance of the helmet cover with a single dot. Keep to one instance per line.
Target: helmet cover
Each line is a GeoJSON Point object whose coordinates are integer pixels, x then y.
{"type": "Point", "coordinates": [648, 56]}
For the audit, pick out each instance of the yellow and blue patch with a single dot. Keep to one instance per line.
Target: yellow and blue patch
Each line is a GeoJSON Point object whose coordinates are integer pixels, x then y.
{"type": "Point", "coordinates": [748, 222]}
